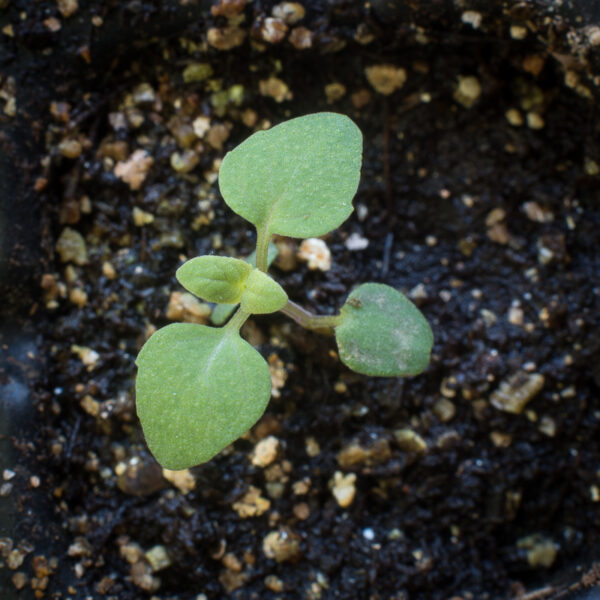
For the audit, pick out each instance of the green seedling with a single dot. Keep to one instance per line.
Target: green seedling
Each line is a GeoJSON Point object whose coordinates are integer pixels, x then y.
{"type": "Point", "coordinates": [200, 388]}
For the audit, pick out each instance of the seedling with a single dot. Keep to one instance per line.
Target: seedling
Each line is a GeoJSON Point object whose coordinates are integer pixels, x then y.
{"type": "Point", "coordinates": [200, 388]}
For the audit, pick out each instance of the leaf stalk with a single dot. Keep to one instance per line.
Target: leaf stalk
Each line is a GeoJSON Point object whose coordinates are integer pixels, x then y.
{"type": "Point", "coordinates": [308, 320]}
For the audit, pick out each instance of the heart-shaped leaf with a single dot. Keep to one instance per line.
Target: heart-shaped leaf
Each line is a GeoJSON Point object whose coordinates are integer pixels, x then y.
{"type": "Point", "coordinates": [262, 294]}
{"type": "Point", "coordinates": [197, 390]}
{"type": "Point", "coordinates": [215, 278]}
{"type": "Point", "coordinates": [296, 179]}
{"type": "Point", "coordinates": [383, 333]}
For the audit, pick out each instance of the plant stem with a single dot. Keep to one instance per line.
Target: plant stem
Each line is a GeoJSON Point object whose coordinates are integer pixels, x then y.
{"type": "Point", "coordinates": [262, 248]}
{"type": "Point", "coordinates": [309, 320]}
{"type": "Point", "coordinates": [238, 319]}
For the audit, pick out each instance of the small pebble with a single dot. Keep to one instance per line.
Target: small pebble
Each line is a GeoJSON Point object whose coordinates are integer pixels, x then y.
{"type": "Point", "coordinates": [468, 90]}
{"type": "Point", "coordinates": [88, 357]}
{"type": "Point", "coordinates": [316, 252]}
{"type": "Point", "coordinates": [444, 410]}
{"type": "Point", "coordinates": [547, 426]}
{"type": "Point", "coordinates": [500, 439]}
{"type": "Point", "coordinates": [15, 559]}
{"type": "Point", "coordinates": [356, 242]}
{"type": "Point", "coordinates": [281, 545]}
{"type": "Point", "coordinates": [368, 534]}
{"type": "Point", "coordinates": [515, 392]}
{"type": "Point", "coordinates": [108, 270]}
{"type": "Point", "coordinates": [410, 441]}
{"type": "Point", "coordinates": [275, 88]}
{"type": "Point", "coordinates": [67, 7]}
{"type": "Point", "coordinates": [228, 8]}
{"type": "Point", "coordinates": [131, 552]}
{"type": "Point", "coordinates": [78, 297]}
{"type": "Point", "coordinates": [301, 511]}
{"type": "Point", "coordinates": [272, 30]}
{"type": "Point", "coordinates": [535, 121]}
{"type": "Point", "coordinates": [143, 94]}
{"type": "Point", "coordinates": [518, 32]}
{"type": "Point", "coordinates": [217, 135]}
{"type": "Point", "coordinates": [472, 18]}
{"type": "Point", "coordinates": [312, 447]}
{"type": "Point", "coordinates": [141, 576]}
{"type": "Point", "coordinates": [334, 92]}
{"type": "Point", "coordinates": [364, 34]}
{"type": "Point", "coordinates": [196, 72]}
{"type": "Point", "coordinates": [274, 583]}
{"type": "Point", "coordinates": [225, 38]}
{"type": "Point", "coordinates": [134, 170]}
{"type": "Point", "coordinates": [419, 292]}
{"type": "Point", "coordinates": [19, 580]}
{"type": "Point", "coordinates": [360, 99]}
{"type": "Point", "coordinates": [289, 12]}
{"type": "Point", "coordinates": [515, 315]}
{"type": "Point", "coordinates": [70, 148]}
{"type": "Point", "coordinates": [52, 24]}
{"type": "Point", "coordinates": [201, 125]}
{"type": "Point", "coordinates": [591, 167]}
{"type": "Point", "coordinates": [252, 504]}
{"type": "Point", "coordinates": [534, 63]}
{"type": "Point", "coordinates": [300, 38]}
{"type": "Point", "coordinates": [185, 307]}
{"type": "Point", "coordinates": [537, 213]}
{"type": "Point", "coordinates": [385, 78]}
{"type": "Point", "coordinates": [495, 216]}
{"type": "Point", "coordinates": [183, 480]}
{"type": "Point", "coordinates": [158, 558]}
{"type": "Point", "coordinates": [265, 452]}
{"type": "Point", "coordinates": [541, 551]}
{"type": "Point", "coordinates": [343, 488]}
{"type": "Point", "coordinates": [514, 117]}
{"type": "Point", "coordinates": [376, 452]}
{"type": "Point", "coordinates": [184, 162]}
{"type": "Point", "coordinates": [72, 247]}
{"type": "Point", "coordinates": [232, 562]}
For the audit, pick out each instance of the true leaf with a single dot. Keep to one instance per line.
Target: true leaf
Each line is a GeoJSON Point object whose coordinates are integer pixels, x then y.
{"type": "Point", "coordinates": [198, 389]}
{"type": "Point", "coordinates": [222, 312]}
{"type": "Point", "coordinates": [262, 294]}
{"type": "Point", "coordinates": [215, 278]}
{"type": "Point", "coordinates": [296, 179]}
{"type": "Point", "coordinates": [383, 333]}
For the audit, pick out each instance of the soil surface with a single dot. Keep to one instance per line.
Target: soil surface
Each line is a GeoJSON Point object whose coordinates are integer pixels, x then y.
{"type": "Point", "coordinates": [479, 199]}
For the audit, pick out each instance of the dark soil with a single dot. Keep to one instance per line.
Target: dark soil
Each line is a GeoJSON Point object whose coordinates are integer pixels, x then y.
{"type": "Point", "coordinates": [490, 226]}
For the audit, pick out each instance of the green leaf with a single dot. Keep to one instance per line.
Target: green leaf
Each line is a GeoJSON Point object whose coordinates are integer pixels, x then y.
{"type": "Point", "coordinates": [296, 179]}
{"type": "Point", "coordinates": [197, 390]}
{"type": "Point", "coordinates": [383, 333]}
{"type": "Point", "coordinates": [222, 312]}
{"type": "Point", "coordinates": [215, 278]}
{"type": "Point", "coordinates": [262, 295]}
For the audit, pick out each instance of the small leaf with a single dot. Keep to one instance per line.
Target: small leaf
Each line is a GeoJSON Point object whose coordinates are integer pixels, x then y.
{"type": "Point", "coordinates": [198, 389]}
{"type": "Point", "coordinates": [222, 312]}
{"type": "Point", "coordinates": [262, 295]}
{"type": "Point", "coordinates": [383, 333]}
{"type": "Point", "coordinates": [215, 278]}
{"type": "Point", "coordinates": [296, 179]}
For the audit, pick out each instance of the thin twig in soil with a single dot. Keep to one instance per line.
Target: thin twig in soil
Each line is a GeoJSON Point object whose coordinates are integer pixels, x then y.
{"type": "Point", "coordinates": [73, 438]}
{"type": "Point", "coordinates": [387, 175]}
{"type": "Point", "coordinates": [387, 251]}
